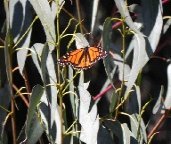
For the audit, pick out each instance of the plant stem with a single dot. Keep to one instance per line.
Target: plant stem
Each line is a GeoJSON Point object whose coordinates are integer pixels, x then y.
{"type": "Point", "coordinates": [21, 95]}
{"type": "Point", "coordinates": [25, 76]}
{"type": "Point", "coordinates": [164, 116]}
{"type": "Point", "coordinates": [28, 29]}
{"type": "Point", "coordinates": [13, 121]}
{"type": "Point", "coordinates": [103, 92]}
{"type": "Point", "coordinates": [123, 53]}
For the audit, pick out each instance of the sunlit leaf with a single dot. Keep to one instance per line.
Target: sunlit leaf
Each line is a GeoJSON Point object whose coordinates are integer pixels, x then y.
{"type": "Point", "coordinates": [50, 96]}
{"type": "Point", "coordinates": [94, 13]}
{"type": "Point", "coordinates": [36, 56]}
{"type": "Point", "coordinates": [23, 12]}
{"type": "Point", "coordinates": [139, 59]}
{"type": "Point", "coordinates": [152, 13]}
{"type": "Point", "coordinates": [43, 10]}
{"type": "Point", "coordinates": [128, 137]}
{"type": "Point", "coordinates": [159, 102]}
{"type": "Point", "coordinates": [89, 120]}
{"type": "Point", "coordinates": [167, 102]}
{"type": "Point", "coordinates": [81, 41]}
{"type": "Point", "coordinates": [166, 26]}
{"type": "Point", "coordinates": [123, 9]}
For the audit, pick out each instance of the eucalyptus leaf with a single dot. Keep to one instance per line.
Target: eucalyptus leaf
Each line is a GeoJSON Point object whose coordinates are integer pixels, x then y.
{"type": "Point", "coordinates": [125, 70]}
{"type": "Point", "coordinates": [108, 63]}
{"type": "Point", "coordinates": [166, 26]}
{"type": "Point", "coordinates": [140, 56]}
{"type": "Point", "coordinates": [104, 136]}
{"type": "Point", "coordinates": [138, 128]}
{"type": "Point", "coordinates": [139, 60]}
{"type": "Point", "coordinates": [71, 88]}
{"type": "Point", "coordinates": [123, 9]}
{"type": "Point", "coordinates": [167, 101]}
{"type": "Point", "coordinates": [8, 58]}
{"type": "Point", "coordinates": [35, 131]}
{"type": "Point", "coordinates": [31, 122]}
{"type": "Point", "coordinates": [36, 52]}
{"type": "Point", "coordinates": [94, 13]}
{"type": "Point", "coordinates": [116, 129]}
{"type": "Point", "coordinates": [159, 103]}
{"type": "Point", "coordinates": [53, 120]}
{"type": "Point", "coordinates": [128, 137]}
{"type": "Point", "coordinates": [152, 14]}
{"type": "Point", "coordinates": [55, 8]}
{"type": "Point", "coordinates": [23, 12]}
{"type": "Point", "coordinates": [138, 94]}
{"type": "Point", "coordinates": [43, 10]}
{"type": "Point", "coordinates": [89, 120]}
{"type": "Point", "coordinates": [81, 41]}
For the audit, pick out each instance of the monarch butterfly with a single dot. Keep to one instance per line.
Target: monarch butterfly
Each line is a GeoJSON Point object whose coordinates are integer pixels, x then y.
{"type": "Point", "coordinates": [83, 58]}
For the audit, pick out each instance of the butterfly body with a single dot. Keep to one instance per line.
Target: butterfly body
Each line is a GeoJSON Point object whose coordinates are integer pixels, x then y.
{"type": "Point", "coordinates": [82, 58]}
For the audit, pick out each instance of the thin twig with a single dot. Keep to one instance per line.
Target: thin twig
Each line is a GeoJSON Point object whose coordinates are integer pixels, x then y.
{"type": "Point", "coordinates": [163, 117]}
{"type": "Point", "coordinates": [25, 77]}
{"type": "Point", "coordinates": [103, 92]}
{"type": "Point", "coordinates": [13, 121]}
{"type": "Point", "coordinates": [21, 95]}
{"type": "Point", "coordinates": [26, 32]}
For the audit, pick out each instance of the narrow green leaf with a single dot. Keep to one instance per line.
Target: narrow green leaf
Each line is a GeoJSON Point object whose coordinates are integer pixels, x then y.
{"type": "Point", "coordinates": [35, 131]}
{"type": "Point", "coordinates": [108, 63]}
{"type": "Point", "coordinates": [116, 129]}
{"type": "Point", "coordinates": [8, 57]}
{"type": "Point", "coordinates": [44, 56]}
{"type": "Point", "coordinates": [33, 128]}
{"type": "Point", "coordinates": [36, 95]}
{"type": "Point", "coordinates": [113, 103]}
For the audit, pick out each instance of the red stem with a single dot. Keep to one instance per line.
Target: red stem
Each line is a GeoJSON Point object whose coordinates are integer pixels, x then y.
{"type": "Point", "coordinates": [163, 117]}
{"type": "Point", "coordinates": [165, 1]}
{"type": "Point", "coordinates": [103, 92]}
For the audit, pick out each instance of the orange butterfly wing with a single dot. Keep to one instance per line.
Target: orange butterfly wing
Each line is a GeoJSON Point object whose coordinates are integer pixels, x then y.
{"type": "Point", "coordinates": [82, 58]}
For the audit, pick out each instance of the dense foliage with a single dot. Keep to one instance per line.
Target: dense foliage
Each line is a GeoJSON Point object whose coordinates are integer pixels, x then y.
{"type": "Point", "coordinates": [124, 98]}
